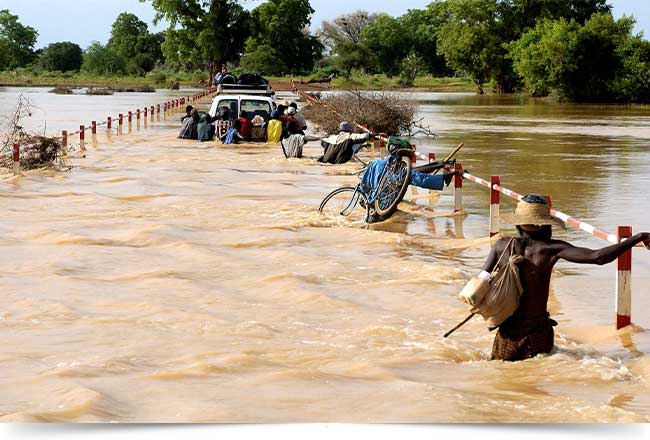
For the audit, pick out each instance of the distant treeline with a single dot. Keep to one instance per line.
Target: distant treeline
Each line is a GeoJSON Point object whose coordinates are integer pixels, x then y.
{"type": "Point", "coordinates": [573, 49]}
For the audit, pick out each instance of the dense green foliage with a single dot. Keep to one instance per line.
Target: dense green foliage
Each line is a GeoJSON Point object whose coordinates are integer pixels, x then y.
{"type": "Point", "coordinates": [283, 24]}
{"type": "Point", "coordinates": [130, 39]}
{"type": "Point", "coordinates": [203, 33]}
{"type": "Point", "coordinates": [16, 41]}
{"type": "Point", "coordinates": [597, 61]}
{"type": "Point", "coordinates": [63, 57]}
{"type": "Point", "coordinates": [102, 60]}
{"type": "Point", "coordinates": [570, 48]}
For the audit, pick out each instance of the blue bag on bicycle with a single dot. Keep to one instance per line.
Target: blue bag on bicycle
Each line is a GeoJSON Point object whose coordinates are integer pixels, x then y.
{"type": "Point", "coordinates": [371, 177]}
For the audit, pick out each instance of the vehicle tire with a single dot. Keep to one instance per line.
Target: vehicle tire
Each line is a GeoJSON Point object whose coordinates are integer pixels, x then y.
{"type": "Point", "coordinates": [393, 186]}
{"type": "Point", "coordinates": [338, 201]}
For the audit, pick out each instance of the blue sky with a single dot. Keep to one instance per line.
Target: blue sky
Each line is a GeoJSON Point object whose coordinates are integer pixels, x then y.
{"type": "Point", "coordinates": [89, 20]}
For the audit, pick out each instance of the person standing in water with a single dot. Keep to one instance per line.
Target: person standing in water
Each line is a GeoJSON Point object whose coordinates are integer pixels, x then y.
{"type": "Point", "coordinates": [529, 330]}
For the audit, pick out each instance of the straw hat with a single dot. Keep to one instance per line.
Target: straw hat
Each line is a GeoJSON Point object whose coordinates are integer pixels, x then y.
{"type": "Point", "coordinates": [533, 209]}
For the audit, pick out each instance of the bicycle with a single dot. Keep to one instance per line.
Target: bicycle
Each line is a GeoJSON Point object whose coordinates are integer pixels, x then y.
{"type": "Point", "coordinates": [383, 202]}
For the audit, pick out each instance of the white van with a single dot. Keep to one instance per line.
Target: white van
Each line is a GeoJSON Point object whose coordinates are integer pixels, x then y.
{"type": "Point", "coordinates": [252, 100]}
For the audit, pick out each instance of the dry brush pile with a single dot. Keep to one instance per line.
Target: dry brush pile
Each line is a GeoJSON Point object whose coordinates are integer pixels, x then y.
{"type": "Point", "coordinates": [383, 112]}
{"type": "Point", "coordinates": [36, 151]}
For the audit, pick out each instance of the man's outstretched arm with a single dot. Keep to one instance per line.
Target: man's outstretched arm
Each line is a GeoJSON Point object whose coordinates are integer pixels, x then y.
{"type": "Point", "coordinates": [602, 256]}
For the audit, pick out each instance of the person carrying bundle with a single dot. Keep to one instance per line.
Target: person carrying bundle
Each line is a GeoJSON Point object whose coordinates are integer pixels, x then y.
{"type": "Point", "coordinates": [511, 293]}
{"type": "Point", "coordinates": [340, 148]}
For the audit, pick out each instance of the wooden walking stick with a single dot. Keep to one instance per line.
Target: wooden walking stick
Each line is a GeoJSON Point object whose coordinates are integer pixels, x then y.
{"type": "Point", "coordinates": [459, 325]}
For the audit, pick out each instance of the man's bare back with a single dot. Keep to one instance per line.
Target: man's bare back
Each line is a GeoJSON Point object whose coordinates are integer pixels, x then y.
{"type": "Point", "coordinates": [529, 330]}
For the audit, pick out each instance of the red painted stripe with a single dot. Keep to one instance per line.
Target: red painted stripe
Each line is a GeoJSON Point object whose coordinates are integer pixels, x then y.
{"type": "Point", "coordinates": [458, 180]}
{"type": "Point", "coordinates": [494, 194]}
{"type": "Point", "coordinates": [622, 321]}
{"type": "Point", "coordinates": [82, 132]}
{"type": "Point", "coordinates": [16, 153]}
{"type": "Point", "coordinates": [625, 260]}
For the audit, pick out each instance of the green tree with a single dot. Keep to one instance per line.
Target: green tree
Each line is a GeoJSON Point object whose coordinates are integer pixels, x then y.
{"type": "Point", "coordinates": [597, 61]}
{"type": "Point", "coordinates": [411, 67]}
{"type": "Point", "coordinates": [64, 57]}
{"type": "Point", "coordinates": [284, 24]}
{"type": "Point", "coordinates": [130, 38]}
{"type": "Point", "coordinates": [354, 56]}
{"type": "Point", "coordinates": [420, 27]}
{"type": "Point", "coordinates": [16, 41]}
{"type": "Point", "coordinates": [101, 60]}
{"type": "Point", "coordinates": [264, 60]}
{"type": "Point", "coordinates": [632, 82]}
{"type": "Point", "coordinates": [469, 40]}
{"type": "Point", "coordinates": [205, 33]}
{"type": "Point", "coordinates": [387, 39]}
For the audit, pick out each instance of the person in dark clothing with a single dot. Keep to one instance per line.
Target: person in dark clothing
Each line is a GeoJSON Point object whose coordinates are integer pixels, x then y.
{"type": "Point", "coordinates": [189, 130]}
{"type": "Point", "coordinates": [529, 331]}
{"type": "Point", "coordinates": [188, 113]}
{"type": "Point", "coordinates": [340, 148]}
{"type": "Point", "coordinates": [206, 129]}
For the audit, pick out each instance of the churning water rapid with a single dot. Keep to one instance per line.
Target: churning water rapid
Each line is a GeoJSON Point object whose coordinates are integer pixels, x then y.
{"type": "Point", "coordinates": [171, 281]}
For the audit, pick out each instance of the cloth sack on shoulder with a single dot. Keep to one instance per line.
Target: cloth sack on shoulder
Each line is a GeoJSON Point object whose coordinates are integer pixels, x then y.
{"type": "Point", "coordinates": [496, 300]}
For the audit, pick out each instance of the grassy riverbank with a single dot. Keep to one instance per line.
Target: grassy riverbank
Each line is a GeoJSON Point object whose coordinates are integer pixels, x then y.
{"type": "Point", "coordinates": [195, 79]}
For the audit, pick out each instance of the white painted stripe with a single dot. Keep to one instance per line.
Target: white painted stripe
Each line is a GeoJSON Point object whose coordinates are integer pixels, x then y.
{"type": "Point", "coordinates": [587, 227]}
{"type": "Point", "coordinates": [624, 292]}
{"type": "Point", "coordinates": [494, 218]}
{"type": "Point", "coordinates": [562, 216]}
{"type": "Point", "coordinates": [458, 199]}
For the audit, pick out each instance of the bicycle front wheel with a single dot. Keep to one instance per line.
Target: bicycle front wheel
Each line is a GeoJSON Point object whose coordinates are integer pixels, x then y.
{"type": "Point", "coordinates": [339, 202]}
{"type": "Point", "coordinates": [393, 186]}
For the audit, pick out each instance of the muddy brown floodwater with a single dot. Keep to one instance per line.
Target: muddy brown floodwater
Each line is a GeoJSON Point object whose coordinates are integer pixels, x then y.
{"type": "Point", "coordinates": [172, 281]}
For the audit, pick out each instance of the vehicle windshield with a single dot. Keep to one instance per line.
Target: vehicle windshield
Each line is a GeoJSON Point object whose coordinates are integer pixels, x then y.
{"type": "Point", "coordinates": [231, 106]}
{"type": "Point", "coordinates": [254, 107]}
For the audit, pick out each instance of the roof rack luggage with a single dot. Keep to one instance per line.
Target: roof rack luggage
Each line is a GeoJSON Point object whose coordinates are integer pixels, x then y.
{"type": "Point", "coordinates": [243, 89]}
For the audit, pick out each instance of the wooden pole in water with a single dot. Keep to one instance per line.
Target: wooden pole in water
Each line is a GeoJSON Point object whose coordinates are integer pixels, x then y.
{"type": "Point", "coordinates": [16, 158]}
{"type": "Point", "coordinates": [64, 141]}
{"type": "Point", "coordinates": [495, 199]}
{"type": "Point", "coordinates": [82, 137]}
{"type": "Point", "coordinates": [624, 282]}
{"type": "Point", "coordinates": [458, 190]}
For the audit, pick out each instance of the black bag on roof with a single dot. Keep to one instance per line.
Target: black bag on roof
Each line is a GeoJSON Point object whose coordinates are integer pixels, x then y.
{"type": "Point", "coordinates": [251, 79]}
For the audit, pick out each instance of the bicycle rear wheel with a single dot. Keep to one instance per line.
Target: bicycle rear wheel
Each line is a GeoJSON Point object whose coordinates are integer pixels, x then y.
{"type": "Point", "coordinates": [393, 186]}
{"type": "Point", "coordinates": [340, 201]}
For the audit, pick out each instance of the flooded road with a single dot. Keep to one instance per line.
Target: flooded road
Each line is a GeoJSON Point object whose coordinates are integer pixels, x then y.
{"type": "Point", "coordinates": [172, 281]}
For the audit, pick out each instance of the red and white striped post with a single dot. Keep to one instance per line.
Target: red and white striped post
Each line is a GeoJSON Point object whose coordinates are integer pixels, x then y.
{"type": "Point", "coordinates": [137, 114]}
{"type": "Point", "coordinates": [495, 199]}
{"type": "Point", "coordinates": [93, 131]}
{"type": "Point", "coordinates": [109, 123]}
{"type": "Point", "coordinates": [82, 137]}
{"type": "Point", "coordinates": [145, 112]}
{"type": "Point", "coordinates": [152, 112]}
{"type": "Point", "coordinates": [458, 190]}
{"type": "Point", "coordinates": [414, 159]}
{"type": "Point", "coordinates": [16, 158]}
{"type": "Point", "coordinates": [130, 116]}
{"type": "Point", "coordinates": [624, 282]}
{"type": "Point", "coordinates": [120, 123]}
{"type": "Point", "coordinates": [432, 157]}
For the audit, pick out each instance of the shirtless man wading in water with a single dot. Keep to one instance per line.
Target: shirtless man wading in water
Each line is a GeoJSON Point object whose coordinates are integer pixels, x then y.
{"type": "Point", "coordinates": [529, 331]}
